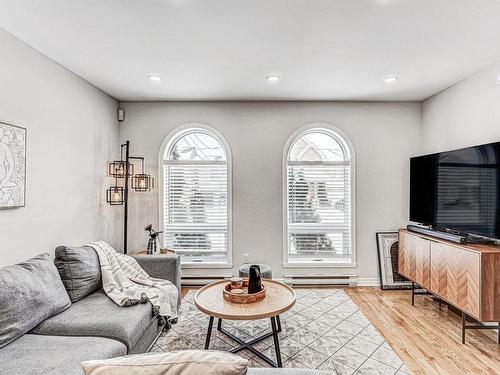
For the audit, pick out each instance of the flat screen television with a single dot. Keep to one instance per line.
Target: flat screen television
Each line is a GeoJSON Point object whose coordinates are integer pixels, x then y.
{"type": "Point", "coordinates": [458, 190]}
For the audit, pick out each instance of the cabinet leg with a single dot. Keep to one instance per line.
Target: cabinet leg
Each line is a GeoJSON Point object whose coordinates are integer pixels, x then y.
{"type": "Point", "coordinates": [412, 293]}
{"type": "Point", "coordinates": [463, 327]}
{"type": "Point", "coordinates": [477, 325]}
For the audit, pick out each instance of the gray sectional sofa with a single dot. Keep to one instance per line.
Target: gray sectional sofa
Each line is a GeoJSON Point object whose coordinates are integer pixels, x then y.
{"type": "Point", "coordinates": [52, 319]}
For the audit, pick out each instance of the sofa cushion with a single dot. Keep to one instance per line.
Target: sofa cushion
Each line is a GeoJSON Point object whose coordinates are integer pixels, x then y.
{"type": "Point", "coordinates": [195, 362]}
{"type": "Point", "coordinates": [55, 355]}
{"type": "Point", "coordinates": [30, 292]}
{"type": "Point", "coordinates": [79, 269]}
{"type": "Point", "coordinates": [98, 315]}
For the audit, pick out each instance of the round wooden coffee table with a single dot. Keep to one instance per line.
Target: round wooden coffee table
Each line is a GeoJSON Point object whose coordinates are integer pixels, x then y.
{"type": "Point", "coordinates": [279, 298]}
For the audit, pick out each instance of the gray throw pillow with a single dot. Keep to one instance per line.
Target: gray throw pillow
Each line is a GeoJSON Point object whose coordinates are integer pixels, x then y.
{"type": "Point", "coordinates": [30, 292]}
{"type": "Point", "coordinates": [79, 269]}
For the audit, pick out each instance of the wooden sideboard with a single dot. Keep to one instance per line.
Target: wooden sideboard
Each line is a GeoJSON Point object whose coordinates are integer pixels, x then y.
{"type": "Point", "coordinates": [465, 276]}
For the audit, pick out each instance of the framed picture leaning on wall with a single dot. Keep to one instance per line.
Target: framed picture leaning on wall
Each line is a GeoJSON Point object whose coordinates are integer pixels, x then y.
{"type": "Point", "coordinates": [387, 246]}
{"type": "Point", "coordinates": [12, 166]}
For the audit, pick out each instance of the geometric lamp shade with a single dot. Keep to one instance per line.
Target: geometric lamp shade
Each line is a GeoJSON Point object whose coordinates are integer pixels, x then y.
{"type": "Point", "coordinates": [142, 182]}
{"type": "Point", "coordinates": [118, 168]}
{"type": "Point", "coordinates": [115, 195]}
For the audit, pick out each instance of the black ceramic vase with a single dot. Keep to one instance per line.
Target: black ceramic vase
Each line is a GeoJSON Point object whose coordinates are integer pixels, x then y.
{"type": "Point", "coordinates": [254, 283]}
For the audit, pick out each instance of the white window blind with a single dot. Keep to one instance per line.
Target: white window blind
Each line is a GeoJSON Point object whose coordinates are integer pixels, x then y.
{"type": "Point", "coordinates": [195, 199]}
{"type": "Point", "coordinates": [318, 197]}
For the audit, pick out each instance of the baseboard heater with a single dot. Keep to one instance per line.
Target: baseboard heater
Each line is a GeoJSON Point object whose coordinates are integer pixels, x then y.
{"type": "Point", "coordinates": [320, 280]}
{"type": "Point", "coordinates": [200, 280]}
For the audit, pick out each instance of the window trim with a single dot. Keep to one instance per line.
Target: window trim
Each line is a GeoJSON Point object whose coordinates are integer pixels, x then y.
{"type": "Point", "coordinates": [346, 143]}
{"type": "Point", "coordinates": [171, 138]}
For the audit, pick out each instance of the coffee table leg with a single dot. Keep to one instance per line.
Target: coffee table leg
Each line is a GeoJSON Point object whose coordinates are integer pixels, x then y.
{"type": "Point", "coordinates": [276, 341]}
{"type": "Point", "coordinates": [278, 320]}
{"type": "Point", "coordinates": [219, 324]}
{"type": "Point", "coordinates": [209, 332]}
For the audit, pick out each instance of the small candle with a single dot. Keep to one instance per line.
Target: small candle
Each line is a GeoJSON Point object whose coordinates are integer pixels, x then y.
{"type": "Point", "coordinates": [236, 282]}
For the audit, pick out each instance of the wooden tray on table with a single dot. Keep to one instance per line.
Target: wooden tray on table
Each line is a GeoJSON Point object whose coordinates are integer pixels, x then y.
{"type": "Point", "coordinates": [243, 297]}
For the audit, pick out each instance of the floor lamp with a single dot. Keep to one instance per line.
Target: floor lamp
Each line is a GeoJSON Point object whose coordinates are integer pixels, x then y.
{"type": "Point", "coordinates": [123, 172]}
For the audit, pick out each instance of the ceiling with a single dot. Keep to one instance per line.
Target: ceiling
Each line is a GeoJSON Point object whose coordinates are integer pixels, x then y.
{"type": "Point", "coordinates": [225, 49]}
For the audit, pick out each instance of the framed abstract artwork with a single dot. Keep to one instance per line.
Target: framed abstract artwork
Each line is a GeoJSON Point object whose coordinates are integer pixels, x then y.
{"type": "Point", "coordinates": [387, 246]}
{"type": "Point", "coordinates": [12, 166]}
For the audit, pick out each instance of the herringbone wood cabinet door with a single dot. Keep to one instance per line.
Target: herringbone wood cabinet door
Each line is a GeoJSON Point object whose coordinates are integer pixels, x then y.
{"type": "Point", "coordinates": [455, 276]}
{"type": "Point", "coordinates": [404, 255]}
{"type": "Point", "coordinates": [423, 262]}
{"type": "Point", "coordinates": [439, 280]}
{"type": "Point", "coordinates": [414, 259]}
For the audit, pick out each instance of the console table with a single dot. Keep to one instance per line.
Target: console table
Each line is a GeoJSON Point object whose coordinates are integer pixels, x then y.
{"type": "Point", "coordinates": [465, 276]}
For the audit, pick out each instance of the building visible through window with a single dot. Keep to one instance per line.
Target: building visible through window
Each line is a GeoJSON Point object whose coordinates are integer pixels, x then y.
{"type": "Point", "coordinates": [196, 196]}
{"type": "Point", "coordinates": [318, 198]}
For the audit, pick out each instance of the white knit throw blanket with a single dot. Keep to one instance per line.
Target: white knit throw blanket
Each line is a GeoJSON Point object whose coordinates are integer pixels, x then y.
{"type": "Point", "coordinates": [127, 284]}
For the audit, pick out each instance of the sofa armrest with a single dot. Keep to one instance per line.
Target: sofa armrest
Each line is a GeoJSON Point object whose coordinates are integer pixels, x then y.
{"type": "Point", "coordinates": [167, 267]}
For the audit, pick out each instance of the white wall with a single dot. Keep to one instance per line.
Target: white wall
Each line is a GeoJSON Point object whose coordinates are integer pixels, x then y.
{"type": "Point", "coordinates": [466, 114]}
{"type": "Point", "coordinates": [72, 133]}
{"type": "Point", "coordinates": [384, 135]}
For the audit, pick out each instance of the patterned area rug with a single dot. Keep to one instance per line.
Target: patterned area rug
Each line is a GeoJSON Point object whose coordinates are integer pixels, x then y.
{"type": "Point", "coordinates": [324, 330]}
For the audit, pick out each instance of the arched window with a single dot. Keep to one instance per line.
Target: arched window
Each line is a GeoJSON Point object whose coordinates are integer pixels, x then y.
{"type": "Point", "coordinates": [318, 187]}
{"type": "Point", "coordinates": [196, 195]}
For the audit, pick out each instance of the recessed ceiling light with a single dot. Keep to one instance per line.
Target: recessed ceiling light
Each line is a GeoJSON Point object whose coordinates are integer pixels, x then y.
{"type": "Point", "coordinates": [498, 79]}
{"type": "Point", "coordinates": [154, 77]}
{"type": "Point", "coordinates": [273, 78]}
{"type": "Point", "coordinates": [391, 78]}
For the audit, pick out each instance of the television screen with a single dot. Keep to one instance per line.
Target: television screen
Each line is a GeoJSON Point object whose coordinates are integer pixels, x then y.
{"type": "Point", "coordinates": [457, 190]}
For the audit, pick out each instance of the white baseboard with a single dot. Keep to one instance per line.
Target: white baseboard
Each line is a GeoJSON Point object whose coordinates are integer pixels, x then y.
{"type": "Point", "coordinates": [360, 281]}
{"type": "Point", "coordinates": [368, 281]}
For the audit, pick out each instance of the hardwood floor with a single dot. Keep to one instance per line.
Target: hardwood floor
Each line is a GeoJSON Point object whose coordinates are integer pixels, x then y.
{"type": "Point", "coordinates": [426, 336]}
{"type": "Point", "coordinates": [185, 291]}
